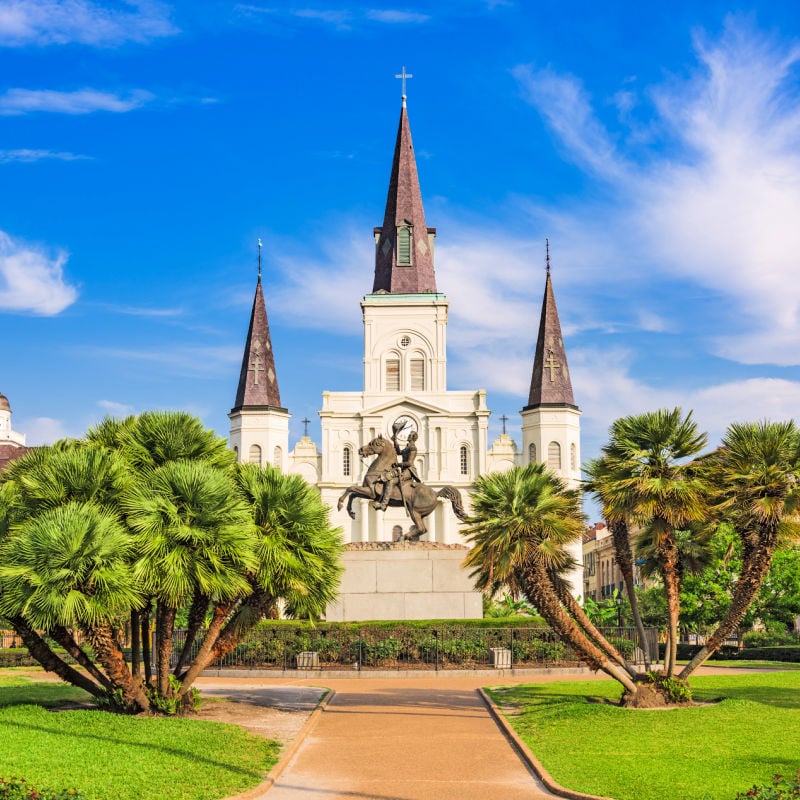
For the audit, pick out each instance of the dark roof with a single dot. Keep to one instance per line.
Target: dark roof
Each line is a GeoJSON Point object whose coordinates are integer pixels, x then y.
{"type": "Point", "coordinates": [551, 384]}
{"type": "Point", "coordinates": [4, 404]}
{"type": "Point", "coordinates": [10, 452]}
{"type": "Point", "coordinates": [258, 380]}
{"type": "Point", "coordinates": [404, 207]}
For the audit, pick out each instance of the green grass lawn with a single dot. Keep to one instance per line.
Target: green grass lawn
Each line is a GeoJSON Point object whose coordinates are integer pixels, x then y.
{"type": "Point", "coordinates": [113, 757]}
{"type": "Point", "coordinates": [699, 753]}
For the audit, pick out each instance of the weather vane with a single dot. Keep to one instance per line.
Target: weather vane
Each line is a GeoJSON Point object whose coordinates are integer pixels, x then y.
{"type": "Point", "coordinates": [404, 76]}
{"type": "Point", "coordinates": [259, 258]}
{"type": "Point", "coordinates": [547, 257]}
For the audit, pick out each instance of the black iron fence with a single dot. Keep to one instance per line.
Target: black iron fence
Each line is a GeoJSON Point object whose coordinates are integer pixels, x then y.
{"type": "Point", "coordinates": [439, 648]}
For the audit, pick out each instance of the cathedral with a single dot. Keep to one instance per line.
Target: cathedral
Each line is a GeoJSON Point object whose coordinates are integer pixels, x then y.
{"type": "Point", "coordinates": [405, 385]}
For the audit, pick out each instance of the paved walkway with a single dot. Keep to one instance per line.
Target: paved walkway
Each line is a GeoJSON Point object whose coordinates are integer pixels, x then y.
{"type": "Point", "coordinates": [396, 739]}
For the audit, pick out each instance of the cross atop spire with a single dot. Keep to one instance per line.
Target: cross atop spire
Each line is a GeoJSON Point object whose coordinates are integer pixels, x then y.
{"type": "Point", "coordinates": [259, 259]}
{"type": "Point", "coordinates": [404, 76]}
{"type": "Point", "coordinates": [547, 257]}
{"type": "Point", "coordinates": [404, 243]}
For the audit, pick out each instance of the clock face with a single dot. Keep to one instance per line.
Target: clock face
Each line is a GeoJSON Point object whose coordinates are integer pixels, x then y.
{"type": "Point", "coordinates": [404, 425]}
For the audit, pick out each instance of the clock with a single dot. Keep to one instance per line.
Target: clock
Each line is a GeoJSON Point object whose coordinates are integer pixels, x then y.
{"type": "Point", "coordinates": [404, 425]}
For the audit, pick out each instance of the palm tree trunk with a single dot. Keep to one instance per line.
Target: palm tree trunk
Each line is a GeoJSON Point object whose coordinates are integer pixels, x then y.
{"type": "Point", "coordinates": [668, 558]}
{"type": "Point", "coordinates": [147, 656]}
{"type": "Point", "coordinates": [40, 650]}
{"type": "Point", "coordinates": [573, 607]}
{"type": "Point", "coordinates": [110, 655]}
{"type": "Point", "coordinates": [540, 591]}
{"type": "Point", "coordinates": [747, 588]}
{"type": "Point", "coordinates": [622, 551]}
{"type": "Point", "coordinates": [165, 624]}
{"type": "Point", "coordinates": [255, 607]}
{"type": "Point", "coordinates": [206, 652]}
{"type": "Point", "coordinates": [67, 641]}
{"type": "Point", "coordinates": [136, 644]}
{"type": "Point", "coordinates": [197, 616]}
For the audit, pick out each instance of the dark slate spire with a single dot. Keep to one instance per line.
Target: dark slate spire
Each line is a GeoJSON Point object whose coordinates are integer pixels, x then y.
{"type": "Point", "coordinates": [403, 257]}
{"type": "Point", "coordinates": [550, 383]}
{"type": "Point", "coordinates": [258, 381]}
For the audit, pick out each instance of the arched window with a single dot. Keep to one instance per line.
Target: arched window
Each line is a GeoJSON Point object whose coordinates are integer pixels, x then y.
{"type": "Point", "coordinates": [573, 456]}
{"type": "Point", "coordinates": [464, 459]}
{"type": "Point", "coordinates": [347, 461]}
{"type": "Point", "coordinates": [255, 454]}
{"type": "Point", "coordinates": [531, 453]}
{"type": "Point", "coordinates": [404, 246]}
{"type": "Point", "coordinates": [392, 374]}
{"type": "Point", "coordinates": [554, 456]}
{"type": "Point", "coordinates": [277, 457]}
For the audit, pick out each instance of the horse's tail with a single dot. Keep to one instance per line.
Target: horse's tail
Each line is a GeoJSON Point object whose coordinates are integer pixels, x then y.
{"type": "Point", "coordinates": [454, 496]}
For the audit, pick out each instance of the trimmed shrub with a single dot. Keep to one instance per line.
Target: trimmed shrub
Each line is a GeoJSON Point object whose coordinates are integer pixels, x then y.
{"type": "Point", "coordinates": [791, 654]}
{"type": "Point", "coordinates": [783, 788]}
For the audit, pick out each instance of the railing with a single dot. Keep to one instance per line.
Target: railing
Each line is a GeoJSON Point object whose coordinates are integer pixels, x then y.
{"type": "Point", "coordinates": [402, 648]}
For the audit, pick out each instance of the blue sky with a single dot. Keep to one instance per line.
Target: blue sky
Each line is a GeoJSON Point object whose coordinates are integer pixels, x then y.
{"type": "Point", "coordinates": [146, 146]}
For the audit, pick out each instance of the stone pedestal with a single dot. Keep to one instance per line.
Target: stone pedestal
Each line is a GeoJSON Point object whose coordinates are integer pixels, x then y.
{"type": "Point", "coordinates": [404, 581]}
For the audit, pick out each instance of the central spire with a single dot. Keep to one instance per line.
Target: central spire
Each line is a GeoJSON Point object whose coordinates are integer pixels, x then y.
{"type": "Point", "coordinates": [404, 244]}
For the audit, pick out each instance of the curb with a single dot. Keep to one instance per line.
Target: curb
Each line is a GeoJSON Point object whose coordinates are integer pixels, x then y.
{"type": "Point", "coordinates": [288, 754]}
{"type": "Point", "coordinates": [529, 758]}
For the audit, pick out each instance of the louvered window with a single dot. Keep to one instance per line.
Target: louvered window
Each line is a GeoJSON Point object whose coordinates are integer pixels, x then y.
{"type": "Point", "coordinates": [554, 456]}
{"type": "Point", "coordinates": [277, 457]}
{"type": "Point", "coordinates": [255, 454]}
{"type": "Point", "coordinates": [404, 247]}
{"type": "Point", "coordinates": [573, 457]}
{"type": "Point", "coordinates": [347, 459]}
{"type": "Point", "coordinates": [393, 375]}
{"type": "Point", "coordinates": [417, 375]}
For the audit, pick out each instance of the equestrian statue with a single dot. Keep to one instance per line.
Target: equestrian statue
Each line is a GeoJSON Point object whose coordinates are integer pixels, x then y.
{"type": "Point", "coordinates": [390, 482]}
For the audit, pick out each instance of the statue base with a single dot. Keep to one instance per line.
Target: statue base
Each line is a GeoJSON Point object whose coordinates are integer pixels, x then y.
{"type": "Point", "coordinates": [404, 581]}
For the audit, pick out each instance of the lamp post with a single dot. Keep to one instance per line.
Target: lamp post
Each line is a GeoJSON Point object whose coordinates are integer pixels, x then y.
{"type": "Point", "coordinates": [618, 601]}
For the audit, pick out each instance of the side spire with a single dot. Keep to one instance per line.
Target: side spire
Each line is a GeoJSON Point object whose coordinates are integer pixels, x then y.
{"type": "Point", "coordinates": [404, 243]}
{"type": "Point", "coordinates": [258, 380]}
{"type": "Point", "coordinates": [550, 382]}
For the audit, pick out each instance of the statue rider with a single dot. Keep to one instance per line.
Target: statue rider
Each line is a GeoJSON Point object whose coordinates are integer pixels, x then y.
{"type": "Point", "coordinates": [402, 471]}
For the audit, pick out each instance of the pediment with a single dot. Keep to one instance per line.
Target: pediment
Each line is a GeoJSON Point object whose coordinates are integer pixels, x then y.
{"type": "Point", "coordinates": [405, 404]}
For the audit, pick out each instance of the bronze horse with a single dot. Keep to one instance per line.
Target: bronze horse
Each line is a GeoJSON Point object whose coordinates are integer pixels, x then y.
{"type": "Point", "coordinates": [418, 499]}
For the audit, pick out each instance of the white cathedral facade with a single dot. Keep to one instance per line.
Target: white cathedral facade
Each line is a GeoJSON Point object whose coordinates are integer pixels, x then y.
{"type": "Point", "coordinates": [405, 379]}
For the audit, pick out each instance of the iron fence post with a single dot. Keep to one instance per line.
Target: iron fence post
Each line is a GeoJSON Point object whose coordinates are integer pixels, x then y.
{"type": "Point", "coordinates": [436, 639]}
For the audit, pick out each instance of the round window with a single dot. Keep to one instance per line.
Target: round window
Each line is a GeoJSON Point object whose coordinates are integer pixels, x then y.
{"type": "Point", "coordinates": [405, 341]}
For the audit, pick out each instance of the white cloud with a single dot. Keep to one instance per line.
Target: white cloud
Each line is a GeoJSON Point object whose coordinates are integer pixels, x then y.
{"type": "Point", "coordinates": [32, 280]}
{"type": "Point", "coordinates": [82, 101]}
{"type": "Point", "coordinates": [47, 22]}
{"type": "Point", "coordinates": [28, 156]}
{"type": "Point", "coordinates": [45, 430]}
{"type": "Point", "coordinates": [340, 18]}
{"type": "Point", "coordinates": [114, 409]}
{"type": "Point", "coordinates": [718, 206]}
{"type": "Point", "coordinates": [393, 16]}
{"type": "Point", "coordinates": [180, 359]}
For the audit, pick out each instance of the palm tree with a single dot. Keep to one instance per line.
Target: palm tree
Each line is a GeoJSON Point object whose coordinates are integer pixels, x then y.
{"type": "Point", "coordinates": [756, 489]}
{"type": "Point", "coordinates": [68, 568]}
{"type": "Point", "coordinates": [645, 479]}
{"type": "Point", "coordinates": [194, 541]}
{"type": "Point", "coordinates": [521, 523]}
{"type": "Point", "coordinates": [298, 551]}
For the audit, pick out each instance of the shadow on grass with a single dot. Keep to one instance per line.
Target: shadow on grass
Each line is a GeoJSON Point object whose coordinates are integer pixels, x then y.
{"type": "Point", "coordinates": [41, 694]}
{"type": "Point", "coordinates": [15, 726]}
